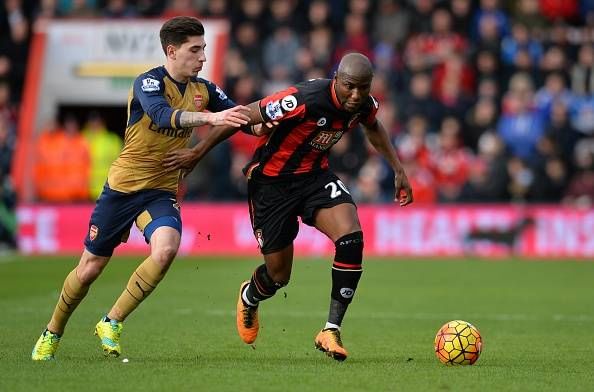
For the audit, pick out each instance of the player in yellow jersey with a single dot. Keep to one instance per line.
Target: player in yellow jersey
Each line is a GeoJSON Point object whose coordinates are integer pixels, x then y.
{"type": "Point", "coordinates": [164, 106]}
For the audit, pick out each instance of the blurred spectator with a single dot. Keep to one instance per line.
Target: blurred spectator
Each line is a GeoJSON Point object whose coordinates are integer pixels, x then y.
{"type": "Point", "coordinates": [520, 40]}
{"type": "Point", "coordinates": [62, 164]}
{"type": "Point", "coordinates": [150, 8]}
{"type": "Point", "coordinates": [348, 156]}
{"type": "Point", "coordinates": [527, 12]}
{"type": "Point", "coordinates": [488, 177]}
{"type": "Point", "coordinates": [559, 9]}
{"type": "Point", "coordinates": [421, 16]}
{"type": "Point", "coordinates": [391, 23]}
{"type": "Point", "coordinates": [488, 88]}
{"type": "Point", "coordinates": [420, 100]}
{"type": "Point", "coordinates": [279, 58]}
{"type": "Point", "coordinates": [582, 72]}
{"type": "Point", "coordinates": [282, 15]}
{"type": "Point", "coordinates": [119, 9]}
{"type": "Point", "coordinates": [554, 60]}
{"type": "Point", "coordinates": [104, 148]}
{"type": "Point", "coordinates": [318, 15]}
{"type": "Point", "coordinates": [45, 11]}
{"type": "Point", "coordinates": [77, 9]}
{"type": "Point", "coordinates": [453, 72]}
{"type": "Point", "coordinates": [521, 125]}
{"type": "Point", "coordinates": [247, 42]}
{"type": "Point", "coordinates": [320, 42]}
{"type": "Point", "coordinates": [367, 186]}
{"type": "Point", "coordinates": [7, 194]}
{"type": "Point", "coordinates": [354, 39]}
{"type": "Point", "coordinates": [461, 16]}
{"type": "Point", "coordinates": [429, 49]}
{"type": "Point", "coordinates": [580, 191]}
{"type": "Point", "coordinates": [561, 132]}
{"type": "Point", "coordinates": [487, 64]}
{"type": "Point", "coordinates": [482, 117]}
{"type": "Point", "coordinates": [7, 108]}
{"type": "Point", "coordinates": [179, 8]}
{"type": "Point", "coordinates": [554, 89]}
{"type": "Point", "coordinates": [450, 161]}
{"type": "Point", "coordinates": [14, 48]}
{"type": "Point", "coordinates": [253, 11]}
{"type": "Point", "coordinates": [216, 9]}
{"type": "Point", "coordinates": [490, 22]}
{"type": "Point", "coordinates": [551, 174]}
{"type": "Point", "coordinates": [521, 179]}
{"type": "Point", "coordinates": [581, 114]}
{"type": "Point", "coordinates": [414, 152]}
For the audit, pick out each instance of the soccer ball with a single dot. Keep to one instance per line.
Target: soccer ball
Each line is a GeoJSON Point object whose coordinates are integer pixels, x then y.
{"type": "Point", "coordinates": [458, 343]}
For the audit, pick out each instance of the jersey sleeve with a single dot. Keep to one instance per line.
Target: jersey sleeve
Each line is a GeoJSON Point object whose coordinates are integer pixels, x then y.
{"type": "Point", "coordinates": [149, 90]}
{"type": "Point", "coordinates": [283, 105]}
{"type": "Point", "coordinates": [217, 99]}
{"type": "Point", "coordinates": [370, 119]}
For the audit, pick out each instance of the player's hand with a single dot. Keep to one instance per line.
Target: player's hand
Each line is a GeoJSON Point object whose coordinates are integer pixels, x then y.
{"type": "Point", "coordinates": [184, 159]}
{"type": "Point", "coordinates": [235, 117]}
{"type": "Point", "coordinates": [404, 195]}
{"type": "Point", "coordinates": [264, 129]}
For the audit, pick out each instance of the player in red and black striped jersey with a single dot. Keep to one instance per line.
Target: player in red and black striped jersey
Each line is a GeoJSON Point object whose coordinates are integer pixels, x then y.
{"type": "Point", "coordinates": [288, 177]}
{"type": "Point", "coordinates": [313, 120]}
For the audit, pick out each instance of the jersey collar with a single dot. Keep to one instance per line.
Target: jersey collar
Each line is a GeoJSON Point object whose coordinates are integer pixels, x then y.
{"type": "Point", "coordinates": [335, 100]}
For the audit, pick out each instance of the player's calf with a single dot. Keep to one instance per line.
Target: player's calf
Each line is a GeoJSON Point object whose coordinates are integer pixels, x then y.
{"type": "Point", "coordinates": [261, 287]}
{"type": "Point", "coordinates": [346, 272]}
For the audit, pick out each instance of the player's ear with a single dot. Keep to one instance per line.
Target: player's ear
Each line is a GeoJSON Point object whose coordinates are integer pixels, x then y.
{"type": "Point", "coordinates": [171, 49]}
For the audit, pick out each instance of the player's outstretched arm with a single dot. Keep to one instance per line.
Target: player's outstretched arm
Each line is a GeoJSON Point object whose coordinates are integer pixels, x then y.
{"type": "Point", "coordinates": [187, 158]}
{"type": "Point", "coordinates": [378, 137]}
{"type": "Point", "coordinates": [233, 117]}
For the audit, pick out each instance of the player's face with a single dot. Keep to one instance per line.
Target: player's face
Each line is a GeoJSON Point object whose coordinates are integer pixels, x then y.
{"type": "Point", "coordinates": [352, 91]}
{"type": "Point", "coordinates": [190, 57]}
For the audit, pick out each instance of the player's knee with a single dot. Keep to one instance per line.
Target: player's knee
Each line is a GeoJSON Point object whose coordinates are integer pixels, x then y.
{"type": "Point", "coordinates": [164, 255]}
{"type": "Point", "coordinates": [349, 250]}
{"type": "Point", "coordinates": [88, 272]}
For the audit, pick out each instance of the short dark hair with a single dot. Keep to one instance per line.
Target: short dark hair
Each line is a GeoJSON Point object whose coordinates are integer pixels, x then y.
{"type": "Point", "coordinates": [177, 30]}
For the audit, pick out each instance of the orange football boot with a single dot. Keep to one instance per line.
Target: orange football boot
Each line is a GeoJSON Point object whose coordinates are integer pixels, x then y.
{"type": "Point", "coordinates": [328, 341]}
{"type": "Point", "coordinates": [247, 318]}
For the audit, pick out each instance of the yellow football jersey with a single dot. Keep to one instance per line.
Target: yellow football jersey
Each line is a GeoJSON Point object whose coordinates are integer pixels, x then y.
{"type": "Point", "coordinates": [155, 103]}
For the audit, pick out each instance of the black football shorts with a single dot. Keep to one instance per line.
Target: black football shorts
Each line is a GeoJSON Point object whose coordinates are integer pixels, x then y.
{"type": "Point", "coordinates": [275, 204]}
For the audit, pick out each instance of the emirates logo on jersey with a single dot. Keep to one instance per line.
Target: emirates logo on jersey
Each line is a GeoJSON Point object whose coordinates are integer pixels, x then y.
{"type": "Point", "coordinates": [325, 139]}
{"type": "Point", "coordinates": [198, 101]}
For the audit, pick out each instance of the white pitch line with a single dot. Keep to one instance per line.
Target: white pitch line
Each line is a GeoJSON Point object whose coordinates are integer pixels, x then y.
{"type": "Point", "coordinates": [578, 318]}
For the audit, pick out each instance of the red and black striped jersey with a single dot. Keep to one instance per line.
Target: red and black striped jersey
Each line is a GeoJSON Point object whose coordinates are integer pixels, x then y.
{"type": "Point", "coordinates": [311, 120]}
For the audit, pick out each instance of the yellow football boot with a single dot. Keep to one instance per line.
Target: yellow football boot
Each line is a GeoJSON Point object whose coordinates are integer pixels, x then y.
{"type": "Point", "coordinates": [328, 341]}
{"type": "Point", "coordinates": [109, 332]}
{"type": "Point", "coordinates": [46, 346]}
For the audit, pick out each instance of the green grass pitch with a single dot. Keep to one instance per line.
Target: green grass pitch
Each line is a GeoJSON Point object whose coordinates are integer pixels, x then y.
{"type": "Point", "coordinates": [536, 319]}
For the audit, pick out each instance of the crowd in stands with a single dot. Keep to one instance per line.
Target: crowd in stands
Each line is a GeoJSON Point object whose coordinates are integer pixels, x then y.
{"type": "Point", "coordinates": [486, 100]}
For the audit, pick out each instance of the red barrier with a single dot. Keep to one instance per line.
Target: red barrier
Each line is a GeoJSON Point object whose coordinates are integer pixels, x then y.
{"type": "Point", "coordinates": [224, 229]}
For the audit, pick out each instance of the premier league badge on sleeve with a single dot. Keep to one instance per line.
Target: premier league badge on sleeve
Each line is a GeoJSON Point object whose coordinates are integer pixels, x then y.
{"type": "Point", "coordinates": [150, 85]}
